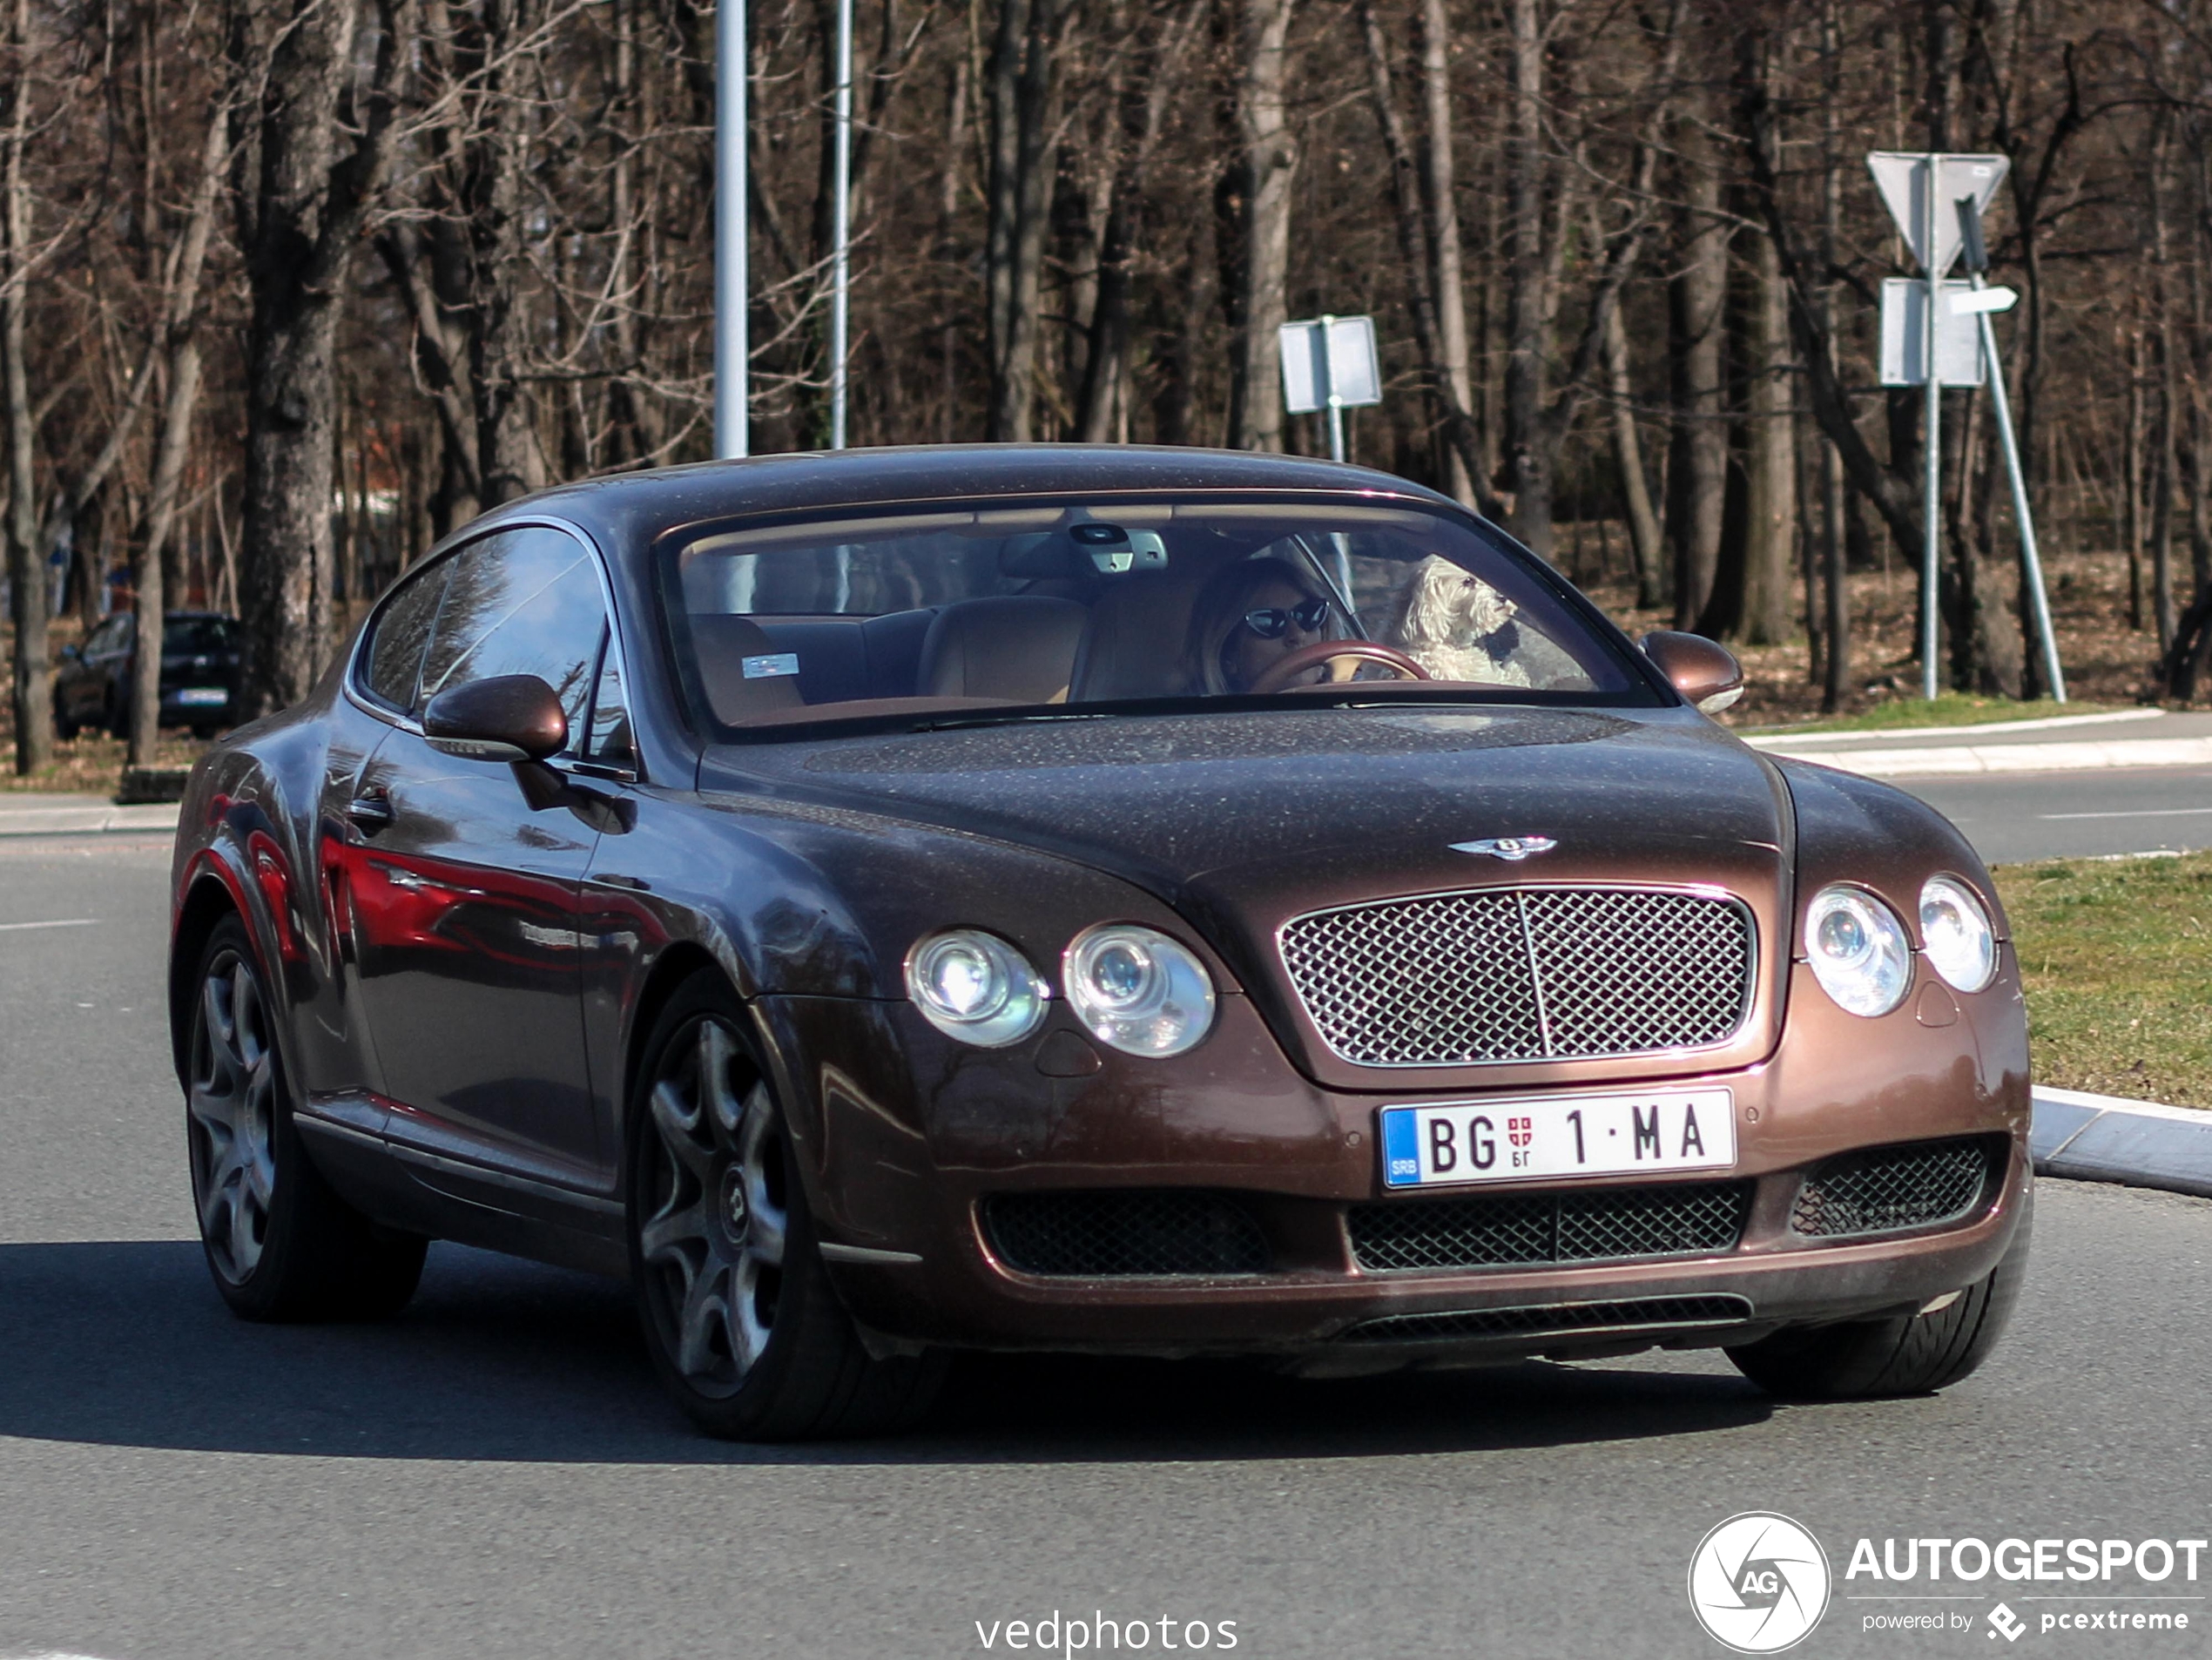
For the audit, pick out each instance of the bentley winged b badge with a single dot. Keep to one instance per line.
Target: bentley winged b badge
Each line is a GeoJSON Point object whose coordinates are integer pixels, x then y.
{"type": "Point", "coordinates": [1513, 849]}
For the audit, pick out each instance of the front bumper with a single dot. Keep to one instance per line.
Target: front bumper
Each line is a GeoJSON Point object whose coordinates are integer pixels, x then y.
{"type": "Point", "coordinates": [905, 1149]}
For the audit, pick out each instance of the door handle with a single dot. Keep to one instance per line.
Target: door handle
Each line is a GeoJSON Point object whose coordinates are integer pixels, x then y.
{"type": "Point", "coordinates": [370, 811]}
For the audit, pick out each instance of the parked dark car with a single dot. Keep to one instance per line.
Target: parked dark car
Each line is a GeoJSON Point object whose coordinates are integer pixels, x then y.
{"type": "Point", "coordinates": [199, 674]}
{"type": "Point", "coordinates": [914, 899]}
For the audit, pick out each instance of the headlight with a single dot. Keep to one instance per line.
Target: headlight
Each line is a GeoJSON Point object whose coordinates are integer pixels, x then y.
{"type": "Point", "coordinates": [1859, 950]}
{"type": "Point", "coordinates": [1961, 943]}
{"type": "Point", "coordinates": [1135, 989]}
{"type": "Point", "coordinates": [975, 987]}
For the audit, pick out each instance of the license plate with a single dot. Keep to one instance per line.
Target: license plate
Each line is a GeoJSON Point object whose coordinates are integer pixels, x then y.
{"type": "Point", "coordinates": [203, 696]}
{"type": "Point", "coordinates": [1447, 1143]}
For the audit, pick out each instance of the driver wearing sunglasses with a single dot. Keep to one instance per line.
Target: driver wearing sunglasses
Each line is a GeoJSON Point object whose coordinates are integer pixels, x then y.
{"type": "Point", "coordinates": [1249, 616]}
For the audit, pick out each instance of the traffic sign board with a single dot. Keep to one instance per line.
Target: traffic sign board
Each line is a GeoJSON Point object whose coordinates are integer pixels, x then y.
{"type": "Point", "coordinates": [1904, 179]}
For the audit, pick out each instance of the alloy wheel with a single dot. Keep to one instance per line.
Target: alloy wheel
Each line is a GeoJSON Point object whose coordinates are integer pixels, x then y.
{"type": "Point", "coordinates": [717, 1216]}
{"type": "Point", "coordinates": [233, 1107]}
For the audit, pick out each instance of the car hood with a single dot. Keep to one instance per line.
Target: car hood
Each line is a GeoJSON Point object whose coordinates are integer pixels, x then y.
{"type": "Point", "coordinates": [1184, 801]}
{"type": "Point", "coordinates": [1245, 820]}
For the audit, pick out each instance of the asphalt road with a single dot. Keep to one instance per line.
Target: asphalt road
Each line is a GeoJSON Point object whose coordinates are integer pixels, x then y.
{"type": "Point", "coordinates": [2014, 817]}
{"type": "Point", "coordinates": [494, 1474]}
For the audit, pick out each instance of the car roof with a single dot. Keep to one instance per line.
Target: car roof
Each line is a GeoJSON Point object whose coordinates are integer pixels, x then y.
{"type": "Point", "coordinates": [628, 510]}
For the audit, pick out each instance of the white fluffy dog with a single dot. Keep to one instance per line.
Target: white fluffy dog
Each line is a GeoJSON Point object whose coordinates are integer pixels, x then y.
{"type": "Point", "coordinates": [1456, 626]}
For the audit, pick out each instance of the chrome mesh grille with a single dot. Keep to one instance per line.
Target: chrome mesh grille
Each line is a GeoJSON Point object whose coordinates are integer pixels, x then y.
{"type": "Point", "coordinates": [1124, 1234]}
{"type": "Point", "coordinates": [1699, 1218]}
{"type": "Point", "coordinates": [1891, 1188]}
{"type": "Point", "coordinates": [1633, 1315]}
{"type": "Point", "coordinates": [1522, 974]}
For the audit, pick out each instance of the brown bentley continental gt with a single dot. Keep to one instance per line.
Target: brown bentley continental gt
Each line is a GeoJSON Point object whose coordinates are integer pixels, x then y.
{"type": "Point", "coordinates": [1132, 900]}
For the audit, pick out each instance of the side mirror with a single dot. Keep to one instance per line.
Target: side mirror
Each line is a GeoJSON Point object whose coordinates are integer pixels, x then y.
{"type": "Point", "coordinates": [71, 654]}
{"type": "Point", "coordinates": [506, 718]}
{"type": "Point", "coordinates": [1706, 673]}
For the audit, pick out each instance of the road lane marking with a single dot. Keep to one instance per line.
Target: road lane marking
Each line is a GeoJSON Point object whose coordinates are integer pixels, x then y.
{"type": "Point", "coordinates": [2135, 812]}
{"type": "Point", "coordinates": [61, 922]}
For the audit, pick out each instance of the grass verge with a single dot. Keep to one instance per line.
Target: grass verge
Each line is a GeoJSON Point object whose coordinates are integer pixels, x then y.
{"type": "Point", "coordinates": [2115, 955]}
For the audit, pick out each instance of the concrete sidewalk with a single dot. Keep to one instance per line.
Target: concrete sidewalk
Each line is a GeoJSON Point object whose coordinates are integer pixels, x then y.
{"type": "Point", "coordinates": [31, 814]}
{"type": "Point", "coordinates": [2130, 737]}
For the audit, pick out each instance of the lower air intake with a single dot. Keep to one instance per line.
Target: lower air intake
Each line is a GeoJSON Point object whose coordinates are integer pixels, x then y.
{"type": "Point", "coordinates": [1124, 1234]}
{"type": "Point", "coordinates": [1640, 1313]}
{"type": "Point", "coordinates": [1700, 1219]}
{"type": "Point", "coordinates": [1893, 1188]}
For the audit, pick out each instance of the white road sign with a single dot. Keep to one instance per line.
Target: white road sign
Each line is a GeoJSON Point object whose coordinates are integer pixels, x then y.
{"type": "Point", "coordinates": [1903, 177]}
{"type": "Point", "coordinates": [1905, 334]}
{"type": "Point", "coordinates": [1327, 355]}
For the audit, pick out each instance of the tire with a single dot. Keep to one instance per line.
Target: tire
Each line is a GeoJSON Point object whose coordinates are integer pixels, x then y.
{"type": "Point", "coordinates": [1900, 1354]}
{"type": "Point", "coordinates": [115, 715]}
{"type": "Point", "coordinates": [738, 1314]}
{"type": "Point", "coordinates": [65, 728]}
{"type": "Point", "coordinates": [280, 1244]}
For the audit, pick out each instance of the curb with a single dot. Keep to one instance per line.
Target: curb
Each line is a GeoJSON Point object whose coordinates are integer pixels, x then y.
{"type": "Point", "coordinates": [2084, 1138]}
{"type": "Point", "coordinates": [101, 818]}
{"type": "Point", "coordinates": [1974, 760]}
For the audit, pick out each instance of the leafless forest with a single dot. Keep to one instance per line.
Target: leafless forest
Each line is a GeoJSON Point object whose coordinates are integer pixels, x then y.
{"type": "Point", "coordinates": [289, 288]}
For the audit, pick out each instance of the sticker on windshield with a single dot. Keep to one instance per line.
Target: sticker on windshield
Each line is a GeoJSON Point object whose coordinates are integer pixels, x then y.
{"type": "Point", "coordinates": [771, 666]}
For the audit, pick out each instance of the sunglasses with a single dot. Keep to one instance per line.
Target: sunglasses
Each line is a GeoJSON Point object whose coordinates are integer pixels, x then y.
{"type": "Point", "coordinates": [1273, 622]}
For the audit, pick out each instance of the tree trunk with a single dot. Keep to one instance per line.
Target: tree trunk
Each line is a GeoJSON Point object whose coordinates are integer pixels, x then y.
{"type": "Point", "coordinates": [1645, 543]}
{"type": "Point", "coordinates": [1769, 456]}
{"type": "Point", "coordinates": [1448, 282]}
{"type": "Point", "coordinates": [1697, 470]}
{"type": "Point", "coordinates": [1023, 79]}
{"type": "Point", "coordinates": [32, 676]}
{"type": "Point", "coordinates": [300, 213]}
{"type": "Point", "coordinates": [1528, 293]}
{"type": "Point", "coordinates": [1268, 166]}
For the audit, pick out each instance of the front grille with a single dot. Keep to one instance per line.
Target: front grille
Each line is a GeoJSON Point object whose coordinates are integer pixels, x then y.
{"type": "Point", "coordinates": [1523, 974]}
{"type": "Point", "coordinates": [1914, 1187]}
{"type": "Point", "coordinates": [1124, 1234]}
{"type": "Point", "coordinates": [1635, 1313]}
{"type": "Point", "coordinates": [1583, 1225]}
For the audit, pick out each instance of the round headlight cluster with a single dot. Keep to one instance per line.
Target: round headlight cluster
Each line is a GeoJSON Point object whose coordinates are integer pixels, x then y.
{"type": "Point", "coordinates": [1137, 989]}
{"type": "Point", "coordinates": [1859, 951]}
{"type": "Point", "coordinates": [1133, 988]}
{"type": "Point", "coordinates": [975, 987]}
{"type": "Point", "coordinates": [1961, 945]}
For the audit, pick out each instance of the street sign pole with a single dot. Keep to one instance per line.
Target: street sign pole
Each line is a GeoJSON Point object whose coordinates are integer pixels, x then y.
{"type": "Point", "coordinates": [1329, 391]}
{"type": "Point", "coordinates": [1932, 466]}
{"type": "Point", "coordinates": [2001, 402]}
{"type": "Point", "coordinates": [732, 349]}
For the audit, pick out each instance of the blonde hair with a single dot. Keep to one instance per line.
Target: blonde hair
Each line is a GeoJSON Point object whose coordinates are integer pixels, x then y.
{"type": "Point", "coordinates": [1218, 613]}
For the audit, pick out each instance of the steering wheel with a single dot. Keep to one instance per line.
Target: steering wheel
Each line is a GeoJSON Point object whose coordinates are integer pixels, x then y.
{"type": "Point", "coordinates": [1277, 676]}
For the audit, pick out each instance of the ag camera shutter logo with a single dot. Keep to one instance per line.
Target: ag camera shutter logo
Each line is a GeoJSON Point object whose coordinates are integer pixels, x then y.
{"type": "Point", "coordinates": [1758, 1582]}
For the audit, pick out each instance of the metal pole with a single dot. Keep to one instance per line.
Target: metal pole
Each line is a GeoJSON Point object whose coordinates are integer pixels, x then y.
{"type": "Point", "coordinates": [2002, 406]}
{"type": "Point", "coordinates": [1932, 490]}
{"type": "Point", "coordinates": [1329, 391]}
{"type": "Point", "coordinates": [732, 350]}
{"type": "Point", "coordinates": [841, 208]}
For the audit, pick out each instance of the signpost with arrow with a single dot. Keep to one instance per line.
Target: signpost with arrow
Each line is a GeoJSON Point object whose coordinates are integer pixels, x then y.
{"type": "Point", "coordinates": [1937, 202]}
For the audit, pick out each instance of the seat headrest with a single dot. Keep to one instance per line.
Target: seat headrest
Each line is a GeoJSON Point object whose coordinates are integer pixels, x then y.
{"type": "Point", "coordinates": [1133, 647]}
{"type": "Point", "coordinates": [739, 669]}
{"type": "Point", "coordinates": [1017, 646]}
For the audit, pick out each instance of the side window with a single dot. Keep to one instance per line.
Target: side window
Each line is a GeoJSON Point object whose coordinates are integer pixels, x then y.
{"type": "Point", "coordinates": [394, 660]}
{"type": "Point", "coordinates": [609, 738]}
{"type": "Point", "coordinates": [520, 601]}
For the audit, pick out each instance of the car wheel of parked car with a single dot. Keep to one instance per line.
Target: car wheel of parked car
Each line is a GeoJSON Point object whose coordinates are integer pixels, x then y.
{"type": "Point", "coordinates": [281, 1244]}
{"type": "Point", "coordinates": [738, 1312]}
{"type": "Point", "coordinates": [65, 728]}
{"type": "Point", "coordinates": [1900, 1354]}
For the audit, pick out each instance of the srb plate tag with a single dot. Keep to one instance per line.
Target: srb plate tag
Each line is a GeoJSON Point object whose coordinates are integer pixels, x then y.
{"type": "Point", "coordinates": [1617, 1133]}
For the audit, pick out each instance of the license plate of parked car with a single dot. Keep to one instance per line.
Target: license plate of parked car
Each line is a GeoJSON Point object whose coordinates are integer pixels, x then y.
{"type": "Point", "coordinates": [1448, 1142]}
{"type": "Point", "coordinates": [202, 696]}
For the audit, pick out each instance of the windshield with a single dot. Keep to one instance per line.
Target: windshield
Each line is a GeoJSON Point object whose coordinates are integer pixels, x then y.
{"type": "Point", "coordinates": [193, 636]}
{"type": "Point", "coordinates": [1066, 605]}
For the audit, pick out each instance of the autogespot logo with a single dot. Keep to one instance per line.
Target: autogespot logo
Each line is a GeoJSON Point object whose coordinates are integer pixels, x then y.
{"type": "Point", "coordinates": [1758, 1582]}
